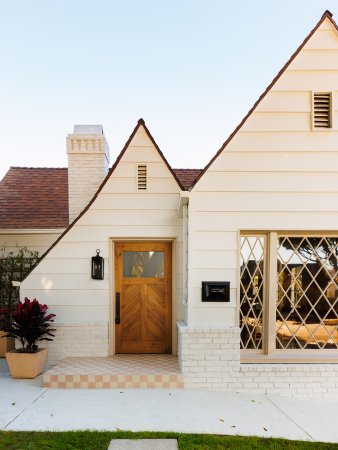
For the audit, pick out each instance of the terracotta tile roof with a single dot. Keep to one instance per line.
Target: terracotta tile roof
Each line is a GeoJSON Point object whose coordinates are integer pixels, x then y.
{"type": "Point", "coordinates": [187, 176]}
{"type": "Point", "coordinates": [38, 197]}
{"type": "Point", "coordinates": [34, 198]}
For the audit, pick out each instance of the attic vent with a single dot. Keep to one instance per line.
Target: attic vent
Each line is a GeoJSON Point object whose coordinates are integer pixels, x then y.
{"type": "Point", "coordinates": [142, 177]}
{"type": "Point", "coordinates": [322, 110]}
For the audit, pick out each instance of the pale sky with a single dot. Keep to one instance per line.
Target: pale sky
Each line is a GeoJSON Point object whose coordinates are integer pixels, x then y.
{"type": "Point", "coordinates": [191, 69]}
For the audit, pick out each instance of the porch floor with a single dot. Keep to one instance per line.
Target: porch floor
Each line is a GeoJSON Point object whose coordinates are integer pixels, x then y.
{"type": "Point", "coordinates": [119, 371]}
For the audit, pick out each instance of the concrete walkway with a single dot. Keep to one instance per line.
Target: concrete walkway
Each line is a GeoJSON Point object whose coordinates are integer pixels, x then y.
{"type": "Point", "coordinates": [26, 405]}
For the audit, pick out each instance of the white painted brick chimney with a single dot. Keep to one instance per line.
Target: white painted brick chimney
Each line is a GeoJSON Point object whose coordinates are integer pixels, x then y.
{"type": "Point", "coordinates": [88, 165]}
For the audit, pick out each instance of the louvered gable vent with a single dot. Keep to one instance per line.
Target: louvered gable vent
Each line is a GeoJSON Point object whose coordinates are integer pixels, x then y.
{"type": "Point", "coordinates": [142, 177]}
{"type": "Point", "coordinates": [322, 110]}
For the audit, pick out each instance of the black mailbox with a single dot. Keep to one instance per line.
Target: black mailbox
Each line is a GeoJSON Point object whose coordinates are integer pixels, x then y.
{"type": "Point", "coordinates": [215, 291]}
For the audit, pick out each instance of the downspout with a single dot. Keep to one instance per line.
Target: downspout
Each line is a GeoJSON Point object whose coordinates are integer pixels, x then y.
{"type": "Point", "coordinates": [183, 212]}
{"type": "Point", "coordinates": [185, 253]}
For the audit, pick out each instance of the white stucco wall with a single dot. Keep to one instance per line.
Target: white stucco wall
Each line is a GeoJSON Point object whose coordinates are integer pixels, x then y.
{"type": "Point", "coordinates": [275, 174]}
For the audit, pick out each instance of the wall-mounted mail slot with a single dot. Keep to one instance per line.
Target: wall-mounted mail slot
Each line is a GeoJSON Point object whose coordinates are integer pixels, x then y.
{"type": "Point", "coordinates": [215, 291]}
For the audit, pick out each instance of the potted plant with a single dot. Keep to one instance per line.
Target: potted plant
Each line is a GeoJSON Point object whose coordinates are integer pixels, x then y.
{"type": "Point", "coordinates": [29, 324]}
{"type": "Point", "coordinates": [14, 264]}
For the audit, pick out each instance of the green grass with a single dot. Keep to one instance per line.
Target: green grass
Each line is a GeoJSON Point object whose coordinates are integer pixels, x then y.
{"type": "Point", "coordinates": [96, 440]}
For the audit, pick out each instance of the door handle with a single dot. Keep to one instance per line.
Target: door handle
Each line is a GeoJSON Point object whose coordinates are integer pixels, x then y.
{"type": "Point", "coordinates": [117, 308]}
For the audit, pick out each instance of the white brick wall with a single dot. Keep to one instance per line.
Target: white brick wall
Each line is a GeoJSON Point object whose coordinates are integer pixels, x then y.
{"type": "Point", "coordinates": [77, 339]}
{"type": "Point", "coordinates": [210, 358]}
{"type": "Point", "coordinates": [295, 380]}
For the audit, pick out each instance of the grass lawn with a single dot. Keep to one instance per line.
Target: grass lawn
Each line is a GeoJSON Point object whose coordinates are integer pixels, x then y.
{"type": "Point", "coordinates": [96, 440]}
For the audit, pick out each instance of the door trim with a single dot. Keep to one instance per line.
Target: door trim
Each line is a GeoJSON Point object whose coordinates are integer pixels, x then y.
{"type": "Point", "coordinates": [111, 325]}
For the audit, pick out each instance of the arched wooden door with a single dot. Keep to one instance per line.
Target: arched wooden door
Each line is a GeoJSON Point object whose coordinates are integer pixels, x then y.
{"type": "Point", "coordinates": [143, 279]}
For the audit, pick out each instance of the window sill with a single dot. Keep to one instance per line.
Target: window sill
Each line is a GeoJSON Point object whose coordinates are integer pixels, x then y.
{"type": "Point", "coordinates": [290, 358]}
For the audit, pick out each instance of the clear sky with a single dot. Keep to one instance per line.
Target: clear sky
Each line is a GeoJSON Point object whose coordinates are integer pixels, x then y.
{"type": "Point", "coordinates": [191, 68]}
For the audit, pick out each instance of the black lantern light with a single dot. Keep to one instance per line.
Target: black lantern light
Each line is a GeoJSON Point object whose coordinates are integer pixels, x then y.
{"type": "Point", "coordinates": [97, 266]}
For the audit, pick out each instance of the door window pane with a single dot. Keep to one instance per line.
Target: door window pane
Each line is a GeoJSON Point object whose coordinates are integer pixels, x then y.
{"type": "Point", "coordinates": [143, 264]}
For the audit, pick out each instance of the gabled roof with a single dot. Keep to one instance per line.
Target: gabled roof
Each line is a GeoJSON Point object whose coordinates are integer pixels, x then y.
{"type": "Point", "coordinates": [38, 197]}
{"type": "Point", "coordinates": [34, 198]}
{"type": "Point", "coordinates": [327, 15]}
{"type": "Point", "coordinates": [185, 174]}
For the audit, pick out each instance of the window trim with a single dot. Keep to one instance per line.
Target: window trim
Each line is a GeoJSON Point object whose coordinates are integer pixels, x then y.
{"type": "Point", "coordinates": [269, 352]}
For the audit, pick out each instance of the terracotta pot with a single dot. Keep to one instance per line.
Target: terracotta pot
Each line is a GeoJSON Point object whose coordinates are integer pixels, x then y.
{"type": "Point", "coordinates": [6, 344]}
{"type": "Point", "coordinates": [26, 365]}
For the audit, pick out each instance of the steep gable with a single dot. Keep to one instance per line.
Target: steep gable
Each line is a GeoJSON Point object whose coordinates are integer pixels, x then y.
{"type": "Point", "coordinates": [285, 106]}
{"type": "Point", "coordinates": [117, 204]}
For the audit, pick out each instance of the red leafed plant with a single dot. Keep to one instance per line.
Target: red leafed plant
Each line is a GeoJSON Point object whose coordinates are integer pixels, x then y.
{"type": "Point", "coordinates": [28, 323]}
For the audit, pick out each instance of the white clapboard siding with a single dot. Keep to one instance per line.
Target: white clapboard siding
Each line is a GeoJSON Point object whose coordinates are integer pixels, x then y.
{"type": "Point", "coordinates": [277, 121]}
{"type": "Point", "coordinates": [66, 297]}
{"type": "Point", "coordinates": [321, 80]}
{"type": "Point", "coordinates": [138, 216]}
{"type": "Point", "coordinates": [82, 249]}
{"type": "Point", "coordinates": [299, 141]}
{"type": "Point", "coordinates": [292, 161]}
{"type": "Point", "coordinates": [69, 265]}
{"type": "Point", "coordinates": [316, 60]}
{"type": "Point", "coordinates": [39, 242]}
{"type": "Point", "coordinates": [265, 220]}
{"type": "Point", "coordinates": [215, 315]}
{"type": "Point", "coordinates": [223, 240]}
{"type": "Point", "coordinates": [323, 39]}
{"type": "Point", "coordinates": [129, 185]}
{"type": "Point", "coordinates": [269, 181]}
{"type": "Point", "coordinates": [267, 201]}
{"type": "Point", "coordinates": [214, 259]}
{"type": "Point", "coordinates": [124, 201]}
{"type": "Point", "coordinates": [295, 102]}
{"type": "Point", "coordinates": [82, 314]}
{"type": "Point", "coordinates": [141, 155]}
{"type": "Point", "coordinates": [64, 280]}
{"type": "Point", "coordinates": [140, 139]}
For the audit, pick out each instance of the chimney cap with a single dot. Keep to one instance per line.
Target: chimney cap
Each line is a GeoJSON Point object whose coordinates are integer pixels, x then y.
{"type": "Point", "coordinates": [88, 129]}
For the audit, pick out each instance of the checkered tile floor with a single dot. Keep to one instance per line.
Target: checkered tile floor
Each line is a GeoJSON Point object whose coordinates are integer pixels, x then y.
{"type": "Point", "coordinates": [119, 371]}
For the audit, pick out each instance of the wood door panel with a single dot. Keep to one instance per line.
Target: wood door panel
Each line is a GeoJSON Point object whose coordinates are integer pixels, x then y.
{"type": "Point", "coordinates": [130, 313]}
{"type": "Point", "coordinates": [155, 312]}
{"type": "Point", "coordinates": [145, 303]}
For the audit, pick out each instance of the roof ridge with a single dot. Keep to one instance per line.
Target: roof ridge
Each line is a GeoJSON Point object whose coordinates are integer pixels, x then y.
{"type": "Point", "coordinates": [47, 168]}
{"type": "Point", "coordinates": [94, 197]}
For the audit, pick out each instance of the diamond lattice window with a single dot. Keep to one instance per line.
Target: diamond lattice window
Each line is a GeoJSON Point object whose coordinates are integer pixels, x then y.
{"type": "Point", "coordinates": [292, 306]}
{"type": "Point", "coordinates": [307, 304]}
{"type": "Point", "coordinates": [252, 291]}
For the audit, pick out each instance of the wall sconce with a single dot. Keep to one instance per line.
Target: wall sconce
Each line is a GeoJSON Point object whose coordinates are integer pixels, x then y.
{"type": "Point", "coordinates": [97, 266]}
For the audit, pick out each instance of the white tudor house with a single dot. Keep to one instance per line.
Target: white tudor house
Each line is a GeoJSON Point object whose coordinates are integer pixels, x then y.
{"type": "Point", "coordinates": [233, 268]}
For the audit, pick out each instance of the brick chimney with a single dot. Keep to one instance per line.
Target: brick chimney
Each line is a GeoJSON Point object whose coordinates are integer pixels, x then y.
{"type": "Point", "coordinates": [88, 164]}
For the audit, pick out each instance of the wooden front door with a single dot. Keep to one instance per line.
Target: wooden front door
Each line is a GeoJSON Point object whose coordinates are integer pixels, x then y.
{"type": "Point", "coordinates": [143, 297]}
